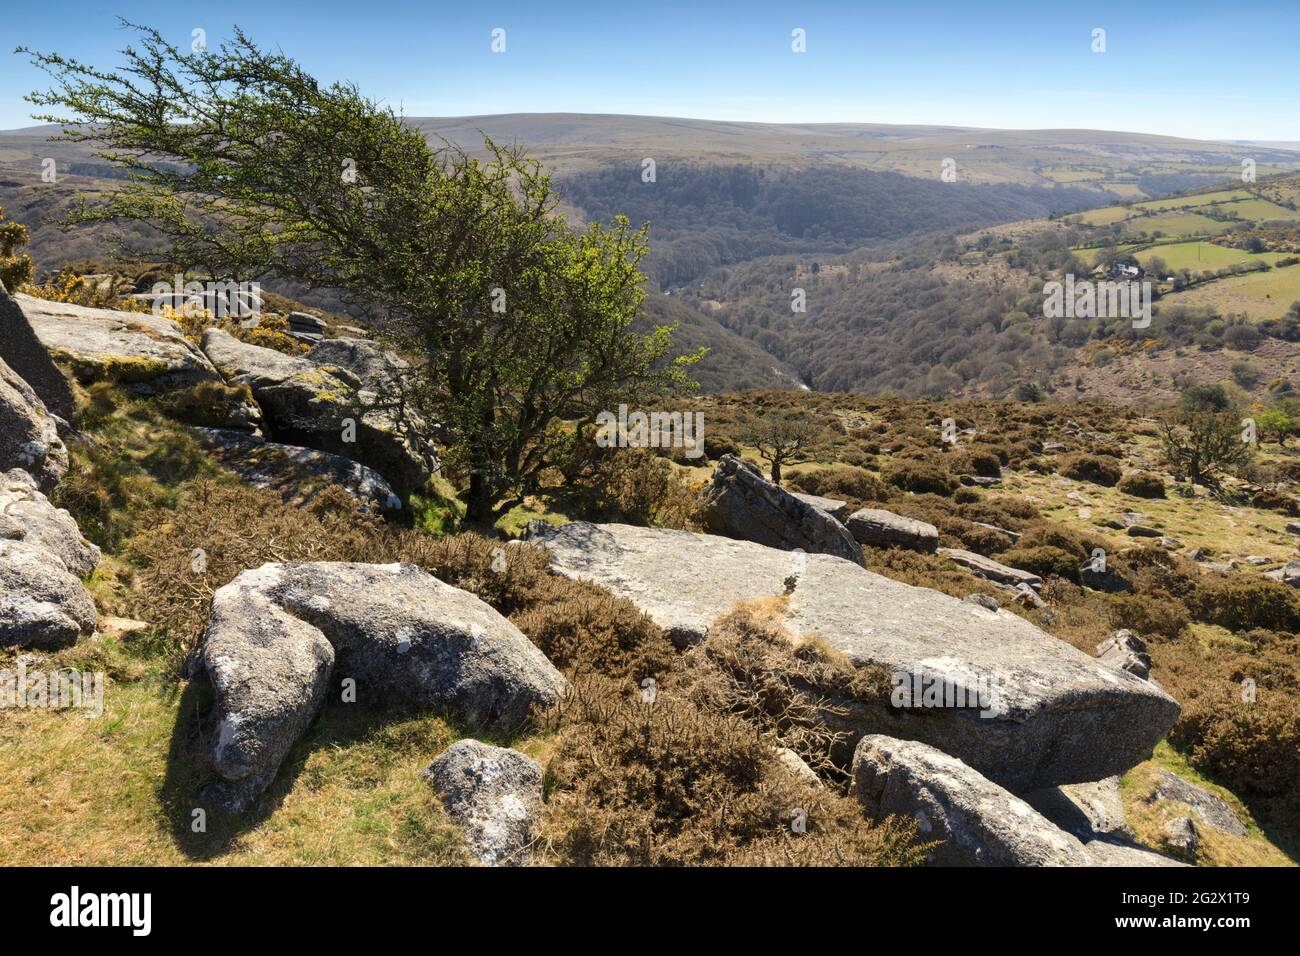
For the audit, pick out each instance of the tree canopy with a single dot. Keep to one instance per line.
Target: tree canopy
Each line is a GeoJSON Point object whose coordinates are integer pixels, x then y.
{"type": "Point", "coordinates": [252, 169]}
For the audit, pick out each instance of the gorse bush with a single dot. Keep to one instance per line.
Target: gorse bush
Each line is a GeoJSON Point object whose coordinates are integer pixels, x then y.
{"type": "Point", "coordinates": [977, 461]}
{"type": "Point", "coordinates": [217, 531]}
{"type": "Point", "coordinates": [840, 481]}
{"type": "Point", "coordinates": [207, 404]}
{"type": "Point", "coordinates": [1149, 616]}
{"type": "Point", "coordinates": [16, 266]}
{"type": "Point", "coordinates": [1244, 603]}
{"type": "Point", "coordinates": [1098, 469]}
{"type": "Point", "coordinates": [634, 486]}
{"type": "Point", "coordinates": [1054, 535]}
{"type": "Point", "coordinates": [1044, 561]}
{"type": "Point", "coordinates": [1142, 484]}
{"type": "Point", "coordinates": [1245, 736]}
{"type": "Point", "coordinates": [920, 476]}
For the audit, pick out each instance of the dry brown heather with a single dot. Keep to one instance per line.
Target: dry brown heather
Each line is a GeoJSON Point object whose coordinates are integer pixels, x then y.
{"type": "Point", "coordinates": [694, 779]}
{"type": "Point", "coordinates": [679, 784]}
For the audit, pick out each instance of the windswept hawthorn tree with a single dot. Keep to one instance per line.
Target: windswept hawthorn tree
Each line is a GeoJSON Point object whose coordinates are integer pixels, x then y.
{"type": "Point", "coordinates": [250, 168]}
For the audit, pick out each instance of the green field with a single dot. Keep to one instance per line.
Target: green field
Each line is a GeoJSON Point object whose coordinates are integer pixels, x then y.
{"type": "Point", "coordinates": [1104, 216]}
{"type": "Point", "coordinates": [1127, 190]}
{"type": "Point", "coordinates": [1179, 216]}
{"type": "Point", "coordinates": [1259, 210]}
{"type": "Point", "coordinates": [1191, 202]}
{"type": "Point", "coordinates": [1260, 295]}
{"type": "Point", "coordinates": [1198, 255]}
{"type": "Point", "coordinates": [1176, 224]}
{"type": "Point", "coordinates": [1073, 175]}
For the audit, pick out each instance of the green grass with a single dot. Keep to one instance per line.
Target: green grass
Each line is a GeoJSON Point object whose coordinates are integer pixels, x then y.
{"type": "Point", "coordinates": [437, 510]}
{"type": "Point", "coordinates": [119, 790]}
{"type": "Point", "coordinates": [1184, 215]}
{"type": "Point", "coordinates": [1259, 210]}
{"type": "Point", "coordinates": [1259, 295]}
{"type": "Point", "coordinates": [1176, 224]}
{"type": "Point", "coordinates": [1125, 190]}
{"type": "Point", "coordinates": [1105, 216]}
{"type": "Point", "coordinates": [514, 521]}
{"type": "Point", "coordinates": [1196, 522]}
{"type": "Point", "coordinates": [1201, 255]}
{"type": "Point", "coordinates": [1191, 202]}
{"type": "Point", "coordinates": [1059, 175]}
{"type": "Point", "coordinates": [1216, 849]}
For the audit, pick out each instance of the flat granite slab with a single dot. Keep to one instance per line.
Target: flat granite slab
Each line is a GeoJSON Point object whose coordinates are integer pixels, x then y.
{"type": "Point", "coordinates": [1038, 711]}
{"type": "Point", "coordinates": [111, 345]}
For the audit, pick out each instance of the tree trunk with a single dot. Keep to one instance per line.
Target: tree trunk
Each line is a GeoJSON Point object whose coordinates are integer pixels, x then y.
{"type": "Point", "coordinates": [478, 503]}
{"type": "Point", "coordinates": [776, 472]}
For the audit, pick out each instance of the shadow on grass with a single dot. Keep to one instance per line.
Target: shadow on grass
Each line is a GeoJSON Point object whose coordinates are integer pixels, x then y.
{"type": "Point", "coordinates": [1276, 817]}
{"type": "Point", "coordinates": [337, 727]}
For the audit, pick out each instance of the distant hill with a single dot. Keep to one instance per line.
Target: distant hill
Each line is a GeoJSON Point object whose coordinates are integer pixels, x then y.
{"type": "Point", "coordinates": [703, 217]}
{"type": "Point", "coordinates": [1100, 160]}
{"type": "Point", "coordinates": [915, 285]}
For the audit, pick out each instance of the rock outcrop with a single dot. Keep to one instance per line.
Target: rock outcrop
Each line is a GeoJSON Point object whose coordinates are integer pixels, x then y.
{"type": "Point", "coordinates": [1208, 807]}
{"type": "Point", "coordinates": [27, 356]}
{"type": "Point", "coordinates": [323, 407]}
{"type": "Point", "coordinates": [741, 503]}
{"type": "Point", "coordinates": [280, 633]}
{"type": "Point", "coordinates": [1181, 838]}
{"type": "Point", "coordinates": [43, 605]}
{"type": "Point", "coordinates": [1288, 574]}
{"type": "Point", "coordinates": [1053, 714]}
{"type": "Point", "coordinates": [976, 822]}
{"type": "Point", "coordinates": [878, 528]}
{"type": "Point", "coordinates": [1110, 853]}
{"type": "Point", "coordinates": [1089, 811]}
{"type": "Point", "coordinates": [252, 365]}
{"type": "Point", "coordinates": [375, 367]}
{"type": "Point", "coordinates": [136, 348]}
{"type": "Point", "coordinates": [29, 436]}
{"type": "Point", "coordinates": [1125, 651]}
{"type": "Point", "coordinates": [797, 767]}
{"type": "Point", "coordinates": [991, 570]}
{"type": "Point", "coordinates": [298, 474]}
{"type": "Point", "coordinates": [306, 327]}
{"type": "Point", "coordinates": [832, 506]}
{"type": "Point", "coordinates": [27, 515]}
{"type": "Point", "coordinates": [493, 794]}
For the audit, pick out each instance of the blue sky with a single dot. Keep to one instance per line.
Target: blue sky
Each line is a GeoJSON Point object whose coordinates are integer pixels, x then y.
{"type": "Point", "coordinates": [1187, 68]}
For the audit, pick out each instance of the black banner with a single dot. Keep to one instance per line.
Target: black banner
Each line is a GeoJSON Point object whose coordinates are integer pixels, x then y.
{"type": "Point", "coordinates": [140, 906]}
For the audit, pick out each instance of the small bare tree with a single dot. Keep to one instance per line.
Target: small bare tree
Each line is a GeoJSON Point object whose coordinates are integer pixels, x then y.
{"type": "Point", "coordinates": [783, 438]}
{"type": "Point", "coordinates": [1202, 441]}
